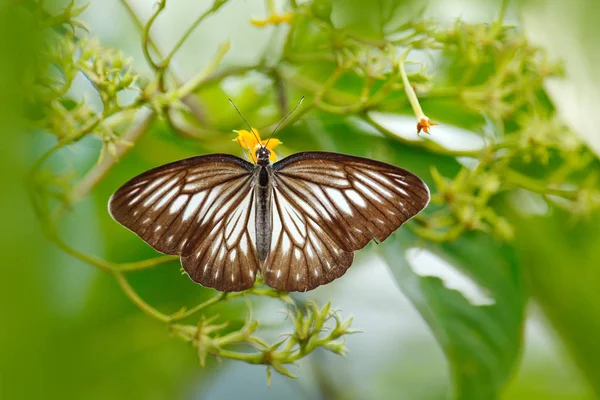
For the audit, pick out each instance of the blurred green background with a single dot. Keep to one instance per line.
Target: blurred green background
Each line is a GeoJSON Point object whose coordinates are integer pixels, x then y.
{"type": "Point", "coordinates": [517, 319]}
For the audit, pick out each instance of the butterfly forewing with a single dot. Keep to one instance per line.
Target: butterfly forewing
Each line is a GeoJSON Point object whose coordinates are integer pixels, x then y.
{"type": "Point", "coordinates": [200, 208]}
{"type": "Point", "coordinates": [326, 206]}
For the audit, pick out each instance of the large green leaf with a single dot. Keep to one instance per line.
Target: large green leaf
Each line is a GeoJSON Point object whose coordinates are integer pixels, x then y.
{"type": "Point", "coordinates": [481, 343]}
{"type": "Point", "coordinates": [561, 260]}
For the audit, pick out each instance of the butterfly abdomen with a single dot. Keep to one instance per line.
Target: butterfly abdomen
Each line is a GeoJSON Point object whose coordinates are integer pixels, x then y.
{"type": "Point", "coordinates": [263, 213]}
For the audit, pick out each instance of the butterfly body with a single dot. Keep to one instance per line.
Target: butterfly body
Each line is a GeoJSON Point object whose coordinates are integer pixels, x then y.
{"type": "Point", "coordinates": [263, 204]}
{"type": "Point", "coordinates": [297, 221]}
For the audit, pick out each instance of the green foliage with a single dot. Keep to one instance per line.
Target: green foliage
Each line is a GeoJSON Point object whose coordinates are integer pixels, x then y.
{"type": "Point", "coordinates": [482, 343]}
{"type": "Point", "coordinates": [350, 63]}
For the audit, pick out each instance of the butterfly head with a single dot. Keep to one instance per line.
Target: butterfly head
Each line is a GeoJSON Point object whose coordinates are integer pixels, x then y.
{"type": "Point", "coordinates": [262, 155]}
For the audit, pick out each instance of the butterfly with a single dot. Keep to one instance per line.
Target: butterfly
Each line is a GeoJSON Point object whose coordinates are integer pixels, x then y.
{"type": "Point", "coordinates": [297, 221]}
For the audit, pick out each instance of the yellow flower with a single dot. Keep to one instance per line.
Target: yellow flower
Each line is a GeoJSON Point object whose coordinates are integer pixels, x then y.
{"type": "Point", "coordinates": [251, 141]}
{"type": "Point", "coordinates": [273, 19]}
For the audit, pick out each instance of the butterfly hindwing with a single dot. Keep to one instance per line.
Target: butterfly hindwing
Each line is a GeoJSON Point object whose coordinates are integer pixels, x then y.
{"type": "Point", "coordinates": [328, 205]}
{"type": "Point", "coordinates": [303, 253]}
{"type": "Point", "coordinates": [199, 208]}
{"type": "Point", "coordinates": [223, 255]}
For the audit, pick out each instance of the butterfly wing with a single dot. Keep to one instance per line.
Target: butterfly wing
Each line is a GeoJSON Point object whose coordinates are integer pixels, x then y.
{"type": "Point", "coordinates": [328, 205]}
{"type": "Point", "coordinates": [198, 208]}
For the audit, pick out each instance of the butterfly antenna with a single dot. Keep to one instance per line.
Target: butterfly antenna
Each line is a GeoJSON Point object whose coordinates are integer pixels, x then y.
{"type": "Point", "coordinates": [247, 124]}
{"type": "Point", "coordinates": [284, 118]}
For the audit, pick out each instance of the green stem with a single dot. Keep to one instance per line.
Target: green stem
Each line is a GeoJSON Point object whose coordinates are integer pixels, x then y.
{"type": "Point", "coordinates": [208, 303]}
{"type": "Point", "coordinates": [138, 301]}
{"type": "Point", "coordinates": [250, 358]}
{"type": "Point", "coordinates": [140, 26]}
{"type": "Point", "coordinates": [217, 77]}
{"type": "Point", "coordinates": [308, 85]}
{"type": "Point", "coordinates": [91, 179]}
{"type": "Point", "coordinates": [408, 89]}
{"type": "Point", "coordinates": [193, 84]}
{"type": "Point", "coordinates": [147, 38]}
{"type": "Point", "coordinates": [146, 264]}
{"type": "Point", "coordinates": [146, 34]}
{"type": "Point", "coordinates": [267, 292]}
{"type": "Point", "coordinates": [95, 261]}
{"type": "Point", "coordinates": [216, 6]}
{"type": "Point", "coordinates": [525, 182]}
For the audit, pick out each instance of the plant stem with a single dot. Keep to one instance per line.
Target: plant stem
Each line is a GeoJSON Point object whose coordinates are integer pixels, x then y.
{"type": "Point", "coordinates": [140, 26]}
{"type": "Point", "coordinates": [210, 302]}
{"type": "Point", "coordinates": [91, 179]}
{"type": "Point", "coordinates": [408, 89]}
{"type": "Point", "coordinates": [250, 358]}
{"type": "Point", "coordinates": [217, 5]}
{"type": "Point", "coordinates": [194, 83]}
{"type": "Point", "coordinates": [146, 34]}
{"type": "Point", "coordinates": [104, 265]}
{"type": "Point", "coordinates": [531, 184]}
{"type": "Point", "coordinates": [137, 300]}
{"type": "Point", "coordinates": [145, 264]}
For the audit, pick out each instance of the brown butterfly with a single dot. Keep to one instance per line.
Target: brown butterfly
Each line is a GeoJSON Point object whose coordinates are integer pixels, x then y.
{"type": "Point", "coordinates": [297, 221]}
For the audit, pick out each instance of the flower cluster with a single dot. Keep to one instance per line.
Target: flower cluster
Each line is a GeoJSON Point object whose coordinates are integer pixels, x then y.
{"type": "Point", "coordinates": [314, 328]}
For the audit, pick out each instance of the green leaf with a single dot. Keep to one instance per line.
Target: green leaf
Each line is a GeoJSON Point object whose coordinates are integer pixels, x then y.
{"type": "Point", "coordinates": [482, 343]}
{"type": "Point", "coordinates": [560, 261]}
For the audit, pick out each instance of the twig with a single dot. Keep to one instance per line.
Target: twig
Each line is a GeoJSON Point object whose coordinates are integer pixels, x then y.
{"type": "Point", "coordinates": [525, 182]}
{"type": "Point", "coordinates": [145, 264]}
{"type": "Point", "coordinates": [194, 83]}
{"type": "Point", "coordinates": [146, 34]}
{"type": "Point", "coordinates": [138, 301]}
{"type": "Point", "coordinates": [92, 178]}
{"type": "Point", "coordinates": [216, 6]}
{"type": "Point", "coordinates": [140, 26]}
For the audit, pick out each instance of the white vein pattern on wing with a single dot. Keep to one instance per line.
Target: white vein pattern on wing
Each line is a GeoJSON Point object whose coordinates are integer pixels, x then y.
{"type": "Point", "coordinates": [339, 200]}
{"type": "Point", "coordinates": [284, 245]}
{"type": "Point", "coordinates": [292, 220]}
{"type": "Point", "coordinates": [193, 205]}
{"type": "Point", "coordinates": [162, 189]}
{"type": "Point", "coordinates": [225, 233]}
{"type": "Point", "coordinates": [356, 198]}
{"type": "Point", "coordinates": [227, 193]}
{"type": "Point", "coordinates": [320, 201]}
{"type": "Point", "coordinates": [366, 191]}
{"type": "Point", "coordinates": [153, 184]}
{"type": "Point", "coordinates": [236, 224]}
{"type": "Point", "coordinates": [309, 202]}
{"type": "Point", "coordinates": [378, 187]}
{"type": "Point", "coordinates": [178, 204]}
{"type": "Point", "coordinates": [390, 182]}
{"type": "Point", "coordinates": [166, 198]}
